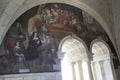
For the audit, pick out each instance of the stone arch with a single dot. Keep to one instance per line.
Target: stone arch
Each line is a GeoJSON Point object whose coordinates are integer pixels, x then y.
{"type": "Point", "coordinates": [99, 47]}
{"type": "Point", "coordinates": [72, 42]}
{"type": "Point", "coordinates": [102, 65]}
{"type": "Point", "coordinates": [75, 58]}
{"type": "Point", "coordinates": [20, 7]}
{"type": "Point", "coordinates": [73, 36]}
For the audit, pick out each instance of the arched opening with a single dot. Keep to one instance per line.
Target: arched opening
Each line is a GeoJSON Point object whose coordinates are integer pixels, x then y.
{"type": "Point", "coordinates": [75, 62]}
{"type": "Point", "coordinates": [102, 65]}
{"type": "Point", "coordinates": [99, 49]}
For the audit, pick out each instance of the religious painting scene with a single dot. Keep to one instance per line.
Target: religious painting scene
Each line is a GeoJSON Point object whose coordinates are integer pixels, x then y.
{"type": "Point", "coordinates": [31, 43]}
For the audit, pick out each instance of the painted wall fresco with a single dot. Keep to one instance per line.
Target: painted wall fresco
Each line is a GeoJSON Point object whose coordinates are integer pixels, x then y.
{"type": "Point", "coordinates": [31, 43]}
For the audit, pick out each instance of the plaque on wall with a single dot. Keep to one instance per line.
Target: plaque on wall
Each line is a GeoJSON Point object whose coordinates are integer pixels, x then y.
{"type": "Point", "coordinates": [24, 70]}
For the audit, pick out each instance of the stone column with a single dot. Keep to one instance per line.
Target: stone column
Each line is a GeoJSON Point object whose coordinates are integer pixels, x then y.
{"type": "Point", "coordinates": [99, 71]}
{"type": "Point", "coordinates": [93, 70]}
{"type": "Point", "coordinates": [67, 67]}
{"type": "Point", "coordinates": [86, 70]}
{"type": "Point", "coordinates": [104, 65]}
{"type": "Point", "coordinates": [106, 70]}
{"type": "Point", "coordinates": [72, 65]}
{"type": "Point", "coordinates": [79, 70]}
{"type": "Point", "coordinates": [102, 69]}
{"type": "Point", "coordinates": [90, 59]}
{"type": "Point", "coordinates": [109, 72]}
{"type": "Point", "coordinates": [60, 55]}
{"type": "Point", "coordinates": [113, 70]}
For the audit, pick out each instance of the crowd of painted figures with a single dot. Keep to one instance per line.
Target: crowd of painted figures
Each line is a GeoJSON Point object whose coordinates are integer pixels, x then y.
{"type": "Point", "coordinates": [28, 51]}
{"type": "Point", "coordinates": [35, 46]}
{"type": "Point", "coordinates": [55, 17]}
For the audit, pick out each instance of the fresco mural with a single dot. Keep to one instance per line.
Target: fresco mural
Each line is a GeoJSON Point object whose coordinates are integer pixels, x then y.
{"type": "Point", "coordinates": [31, 43]}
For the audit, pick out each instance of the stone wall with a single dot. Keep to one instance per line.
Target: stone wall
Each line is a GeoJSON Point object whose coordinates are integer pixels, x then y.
{"type": "Point", "coordinates": [116, 15]}
{"type": "Point", "coordinates": [35, 76]}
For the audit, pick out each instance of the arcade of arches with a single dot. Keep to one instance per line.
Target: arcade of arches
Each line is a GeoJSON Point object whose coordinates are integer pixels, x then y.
{"type": "Point", "coordinates": [80, 66]}
{"type": "Point", "coordinates": [56, 41]}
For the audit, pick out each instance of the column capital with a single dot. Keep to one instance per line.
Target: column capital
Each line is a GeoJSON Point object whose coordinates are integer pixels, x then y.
{"type": "Point", "coordinates": [90, 56]}
{"type": "Point", "coordinates": [87, 57]}
{"type": "Point", "coordinates": [61, 55]}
